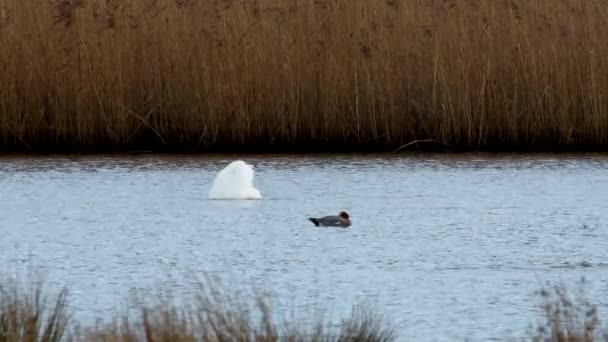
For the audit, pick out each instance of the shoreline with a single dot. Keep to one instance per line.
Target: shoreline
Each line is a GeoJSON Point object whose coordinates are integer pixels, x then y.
{"type": "Point", "coordinates": [327, 149]}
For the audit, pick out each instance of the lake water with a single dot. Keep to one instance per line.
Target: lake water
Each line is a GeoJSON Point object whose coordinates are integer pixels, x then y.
{"type": "Point", "coordinates": [447, 247]}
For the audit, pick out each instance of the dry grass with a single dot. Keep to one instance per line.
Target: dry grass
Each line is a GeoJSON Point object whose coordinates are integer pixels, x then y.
{"type": "Point", "coordinates": [214, 315]}
{"type": "Point", "coordinates": [300, 74]}
{"type": "Point", "coordinates": [568, 318]}
{"type": "Point", "coordinates": [27, 314]}
{"type": "Point", "coordinates": [220, 323]}
{"type": "Point", "coordinates": [211, 315]}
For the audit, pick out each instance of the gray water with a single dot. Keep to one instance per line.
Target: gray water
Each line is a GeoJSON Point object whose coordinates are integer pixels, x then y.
{"type": "Point", "coordinates": [446, 247]}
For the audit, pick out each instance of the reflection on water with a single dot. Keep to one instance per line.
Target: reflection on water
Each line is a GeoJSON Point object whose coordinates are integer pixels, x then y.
{"type": "Point", "coordinates": [447, 246]}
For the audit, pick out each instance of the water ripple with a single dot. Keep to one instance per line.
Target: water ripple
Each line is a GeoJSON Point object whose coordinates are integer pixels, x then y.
{"type": "Point", "coordinates": [446, 245]}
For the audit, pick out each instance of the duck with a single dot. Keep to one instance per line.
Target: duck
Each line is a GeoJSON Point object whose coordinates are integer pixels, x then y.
{"type": "Point", "coordinates": [341, 220]}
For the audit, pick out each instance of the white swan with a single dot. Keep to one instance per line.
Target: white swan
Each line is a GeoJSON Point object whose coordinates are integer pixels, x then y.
{"type": "Point", "coordinates": [234, 182]}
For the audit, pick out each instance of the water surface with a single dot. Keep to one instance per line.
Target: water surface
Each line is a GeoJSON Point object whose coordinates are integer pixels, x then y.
{"type": "Point", "coordinates": [448, 247]}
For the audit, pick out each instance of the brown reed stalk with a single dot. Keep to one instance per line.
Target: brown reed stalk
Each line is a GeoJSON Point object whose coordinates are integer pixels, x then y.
{"type": "Point", "coordinates": [27, 314]}
{"type": "Point", "coordinates": [569, 317]}
{"type": "Point", "coordinates": [204, 75]}
{"type": "Point", "coordinates": [215, 315]}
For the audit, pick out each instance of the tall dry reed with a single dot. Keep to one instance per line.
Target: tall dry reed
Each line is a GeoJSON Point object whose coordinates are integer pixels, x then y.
{"type": "Point", "coordinates": [212, 314]}
{"type": "Point", "coordinates": [569, 317]}
{"type": "Point", "coordinates": [204, 75]}
{"type": "Point", "coordinates": [27, 314]}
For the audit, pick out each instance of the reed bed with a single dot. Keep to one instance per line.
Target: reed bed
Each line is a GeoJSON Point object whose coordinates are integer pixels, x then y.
{"type": "Point", "coordinates": [29, 314]}
{"type": "Point", "coordinates": [296, 75]}
{"type": "Point", "coordinates": [212, 314]}
{"type": "Point", "coordinates": [568, 317]}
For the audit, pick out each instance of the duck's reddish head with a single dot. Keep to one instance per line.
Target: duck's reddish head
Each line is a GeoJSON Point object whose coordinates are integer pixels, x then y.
{"type": "Point", "coordinates": [344, 215]}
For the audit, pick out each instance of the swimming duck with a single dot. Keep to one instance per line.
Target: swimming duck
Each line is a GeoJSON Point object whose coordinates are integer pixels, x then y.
{"type": "Point", "coordinates": [341, 220]}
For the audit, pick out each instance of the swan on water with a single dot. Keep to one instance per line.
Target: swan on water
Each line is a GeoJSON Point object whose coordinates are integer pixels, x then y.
{"type": "Point", "coordinates": [234, 182]}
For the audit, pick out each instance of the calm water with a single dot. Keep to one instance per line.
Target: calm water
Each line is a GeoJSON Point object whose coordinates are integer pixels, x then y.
{"type": "Point", "coordinates": [447, 247]}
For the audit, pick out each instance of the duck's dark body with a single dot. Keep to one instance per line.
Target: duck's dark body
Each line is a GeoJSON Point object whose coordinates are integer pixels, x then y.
{"type": "Point", "coordinates": [341, 220]}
